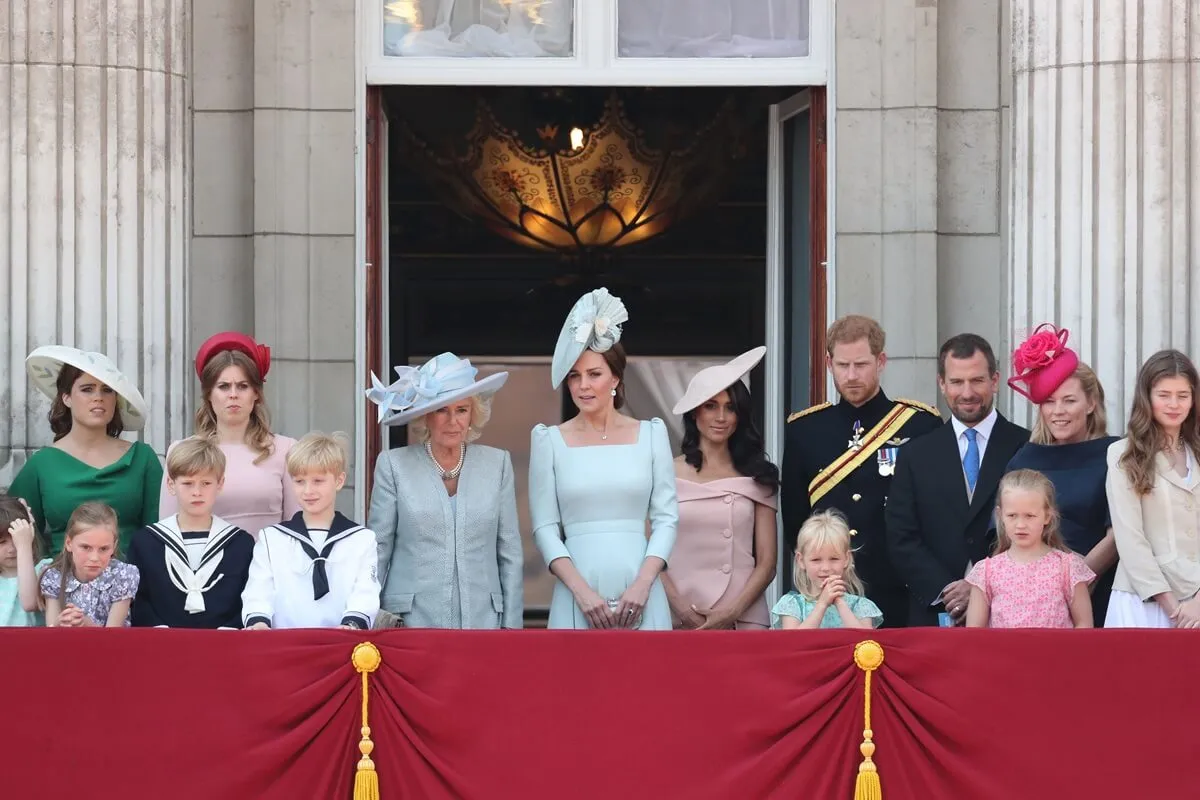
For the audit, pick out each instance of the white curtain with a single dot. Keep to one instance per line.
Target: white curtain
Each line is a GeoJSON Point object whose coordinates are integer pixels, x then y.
{"type": "Point", "coordinates": [654, 386]}
{"type": "Point", "coordinates": [713, 28]}
{"type": "Point", "coordinates": [495, 28]}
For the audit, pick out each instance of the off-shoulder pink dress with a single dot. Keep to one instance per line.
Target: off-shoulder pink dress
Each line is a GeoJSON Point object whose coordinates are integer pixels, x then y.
{"type": "Point", "coordinates": [714, 544]}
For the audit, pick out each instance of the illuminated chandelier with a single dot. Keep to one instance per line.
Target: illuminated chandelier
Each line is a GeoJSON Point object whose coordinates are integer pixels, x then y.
{"type": "Point", "coordinates": [579, 188]}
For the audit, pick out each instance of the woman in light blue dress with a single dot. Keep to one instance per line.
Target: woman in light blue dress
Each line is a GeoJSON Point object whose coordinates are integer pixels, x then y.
{"type": "Point", "coordinates": [595, 480]}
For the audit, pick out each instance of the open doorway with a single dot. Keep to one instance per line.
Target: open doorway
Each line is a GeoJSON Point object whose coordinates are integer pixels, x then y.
{"type": "Point", "coordinates": [732, 273]}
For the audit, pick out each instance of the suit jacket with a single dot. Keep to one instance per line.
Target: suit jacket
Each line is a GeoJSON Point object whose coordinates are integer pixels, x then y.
{"type": "Point", "coordinates": [422, 538]}
{"type": "Point", "coordinates": [1158, 534]}
{"type": "Point", "coordinates": [933, 531]}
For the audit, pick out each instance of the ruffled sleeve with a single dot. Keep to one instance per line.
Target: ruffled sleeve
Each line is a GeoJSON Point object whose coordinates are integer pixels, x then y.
{"type": "Point", "coordinates": [664, 505]}
{"type": "Point", "coordinates": [125, 580]}
{"type": "Point", "coordinates": [51, 583]}
{"type": "Point", "coordinates": [864, 608]}
{"type": "Point", "coordinates": [543, 497]}
{"type": "Point", "coordinates": [790, 605]}
{"type": "Point", "coordinates": [977, 577]}
{"type": "Point", "coordinates": [1078, 571]}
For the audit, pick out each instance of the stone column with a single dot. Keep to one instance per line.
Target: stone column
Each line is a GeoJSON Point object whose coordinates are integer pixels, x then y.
{"type": "Point", "coordinates": [886, 166]}
{"type": "Point", "coordinates": [1105, 197]}
{"type": "Point", "coordinates": [304, 213]}
{"type": "Point", "coordinates": [92, 201]}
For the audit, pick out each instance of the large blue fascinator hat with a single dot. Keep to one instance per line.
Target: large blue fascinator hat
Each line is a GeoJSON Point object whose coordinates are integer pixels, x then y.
{"type": "Point", "coordinates": [594, 324]}
{"type": "Point", "coordinates": [440, 381]}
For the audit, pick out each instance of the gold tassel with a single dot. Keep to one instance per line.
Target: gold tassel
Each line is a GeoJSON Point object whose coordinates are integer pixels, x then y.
{"type": "Point", "coordinates": [366, 659]}
{"type": "Point", "coordinates": [868, 656]}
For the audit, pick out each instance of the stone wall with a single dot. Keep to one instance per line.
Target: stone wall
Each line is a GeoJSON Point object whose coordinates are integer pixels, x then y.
{"type": "Point", "coordinates": [94, 164]}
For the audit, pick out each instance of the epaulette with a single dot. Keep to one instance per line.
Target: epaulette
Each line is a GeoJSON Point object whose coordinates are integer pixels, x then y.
{"type": "Point", "coordinates": [920, 405]}
{"type": "Point", "coordinates": [809, 410]}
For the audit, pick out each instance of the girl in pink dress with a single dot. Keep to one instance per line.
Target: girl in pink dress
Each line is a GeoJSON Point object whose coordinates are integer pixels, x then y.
{"type": "Point", "coordinates": [1034, 580]}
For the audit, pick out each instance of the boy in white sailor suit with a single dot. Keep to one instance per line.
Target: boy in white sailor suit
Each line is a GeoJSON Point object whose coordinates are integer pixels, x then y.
{"type": "Point", "coordinates": [193, 565]}
{"type": "Point", "coordinates": [317, 569]}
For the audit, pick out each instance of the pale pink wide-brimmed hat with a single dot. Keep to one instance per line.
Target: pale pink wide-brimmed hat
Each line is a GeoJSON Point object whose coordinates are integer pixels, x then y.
{"type": "Point", "coordinates": [711, 381]}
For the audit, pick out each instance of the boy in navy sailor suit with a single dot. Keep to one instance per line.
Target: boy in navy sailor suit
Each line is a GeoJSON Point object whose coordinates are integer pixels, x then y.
{"type": "Point", "coordinates": [317, 569]}
{"type": "Point", "coordinates": [193, 565]}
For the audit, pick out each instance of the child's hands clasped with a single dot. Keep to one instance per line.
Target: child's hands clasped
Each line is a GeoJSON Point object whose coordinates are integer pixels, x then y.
{"type": "Point", "coordinates": [832, 590]}
{"type": "Point", "coordinates": [72, 617]}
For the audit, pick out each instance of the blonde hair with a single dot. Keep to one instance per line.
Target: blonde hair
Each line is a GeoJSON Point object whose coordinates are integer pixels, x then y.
{"type": "Point", "coordinates": [318, 452]}
{"type": "Point", "coordinates": [853, 328]}
{"type": "Point", "coordinates": [1029, 480]}
{"type": "Point", "coordinates": [259, 437]}
{"type": "Point", "coordinates": [820, 529]}
{"type": "Point", "coordinates": [1097, 421]}
{"type": "Point", "coordinates": [481, 412]}
{"type": "Point", "coordinates": [196, 455]}
{"type": "Point", "coordinates": [86, 517]}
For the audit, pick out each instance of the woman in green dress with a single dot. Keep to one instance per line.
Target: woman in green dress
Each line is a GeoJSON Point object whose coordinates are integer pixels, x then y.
{"type": "Point", "coordinates": [92, 404]}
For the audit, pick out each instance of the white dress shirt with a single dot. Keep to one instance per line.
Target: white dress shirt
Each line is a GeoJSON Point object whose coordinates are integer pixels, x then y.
{"type": "Point", "coordinates": [983, 432]}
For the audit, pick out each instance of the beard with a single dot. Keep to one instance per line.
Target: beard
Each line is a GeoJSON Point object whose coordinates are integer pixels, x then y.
{"type": "Point", "coordinates": [972, 417]}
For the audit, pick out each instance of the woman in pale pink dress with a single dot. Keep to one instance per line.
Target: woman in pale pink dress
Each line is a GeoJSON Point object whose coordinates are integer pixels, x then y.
{"type": "Point", "coordinates": [233, 411]}
{"type": "Point", "coordinates": [724, 555]}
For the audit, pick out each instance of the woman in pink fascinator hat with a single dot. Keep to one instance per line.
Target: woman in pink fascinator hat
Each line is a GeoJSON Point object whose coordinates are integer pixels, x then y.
{"type": "Point", "coordinates": [1069, 445]}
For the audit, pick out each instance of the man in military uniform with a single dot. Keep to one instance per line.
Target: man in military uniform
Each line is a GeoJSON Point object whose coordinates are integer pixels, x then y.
{"type": "Point", "coordinates": [842, 456]}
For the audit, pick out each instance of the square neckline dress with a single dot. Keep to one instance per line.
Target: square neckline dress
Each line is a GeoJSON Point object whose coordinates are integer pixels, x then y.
{"type": "Point", "coordinates": [590, 503]}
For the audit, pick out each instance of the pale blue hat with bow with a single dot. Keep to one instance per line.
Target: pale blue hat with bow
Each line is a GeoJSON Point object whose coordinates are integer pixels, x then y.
{"type": "Point", "coordinates": [594, 324]}
{"type": "Point", "coordinates": [439, 382]}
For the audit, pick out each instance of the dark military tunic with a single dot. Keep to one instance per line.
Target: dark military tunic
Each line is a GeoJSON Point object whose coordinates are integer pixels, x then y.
{"type": "Point", "coordinates": [814, 439]}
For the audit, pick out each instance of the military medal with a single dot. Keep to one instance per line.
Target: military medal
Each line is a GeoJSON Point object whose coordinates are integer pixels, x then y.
{"type": "Point", "coordinates": [856, 442]}
{"type": "Point", "coordinates": [887, 461]}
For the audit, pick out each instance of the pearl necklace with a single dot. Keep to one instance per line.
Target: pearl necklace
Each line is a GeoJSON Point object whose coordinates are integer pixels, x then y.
{"type": "Point", "coordinates": [448, 474]}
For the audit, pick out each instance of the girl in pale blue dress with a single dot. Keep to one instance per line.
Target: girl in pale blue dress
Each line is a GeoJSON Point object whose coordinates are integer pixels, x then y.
{"type": "Point", "coordinates": [594, 482]}
{"type": "Point", "coordinates": [828, 592]}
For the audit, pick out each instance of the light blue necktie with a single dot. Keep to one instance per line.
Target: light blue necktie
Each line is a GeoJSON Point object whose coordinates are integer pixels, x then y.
{"type": "Point", "coordinates": [971, 459]}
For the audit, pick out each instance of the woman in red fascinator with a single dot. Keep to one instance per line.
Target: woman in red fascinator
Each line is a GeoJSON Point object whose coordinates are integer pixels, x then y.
{"type": "Point", "coordinates": [1069, 445]}
{"type": "Point", "coordinates": [233, 411]}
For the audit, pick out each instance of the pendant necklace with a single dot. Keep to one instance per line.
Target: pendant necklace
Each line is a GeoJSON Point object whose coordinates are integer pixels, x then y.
{"type": "Point", "coordinates": [603, 433]}
{"type": "Point", "coordinates": [448, 474]}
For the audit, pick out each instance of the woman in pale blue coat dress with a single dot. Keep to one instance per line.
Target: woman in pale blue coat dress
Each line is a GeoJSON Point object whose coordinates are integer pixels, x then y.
{"type": "Point", "coordinates": [596, 479]}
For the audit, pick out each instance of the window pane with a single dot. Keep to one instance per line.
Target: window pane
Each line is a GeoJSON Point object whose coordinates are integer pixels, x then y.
{"type": "Point", "coordinates": [712, 28]}
{"type": "Point", "coordinates": [478, 28]}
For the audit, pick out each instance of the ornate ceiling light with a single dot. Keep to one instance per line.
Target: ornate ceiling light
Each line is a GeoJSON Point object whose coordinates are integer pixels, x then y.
{"type": "Point", "coordinates": [574, 188]}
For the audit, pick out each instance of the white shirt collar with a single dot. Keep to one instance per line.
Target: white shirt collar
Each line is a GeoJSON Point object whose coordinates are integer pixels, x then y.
{"type": "Point", "coordinates": [983, 428]}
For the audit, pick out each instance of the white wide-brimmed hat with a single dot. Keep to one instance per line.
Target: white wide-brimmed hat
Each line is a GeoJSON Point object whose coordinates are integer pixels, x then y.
{"type": "Point", "coordinates": [711, 381]}
{"type": "Point", "coordinates": [440, 381]}
{"type": "Point", "coordinates": [594, 323]}
{"type": "Point", "coordinates": [45, 363]}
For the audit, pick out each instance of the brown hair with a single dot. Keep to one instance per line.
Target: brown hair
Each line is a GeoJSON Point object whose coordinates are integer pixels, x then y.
{"type": "Point", "coordinates": [196, 455]}
{"type": "Point", "coordinates": [964, 346]}
{"type": "Point", "coordinates": [60, 413]}
{"type": "Point", "coordinates": [1029, 480]}
{"type": "Point", "coordinates": [84, 518]}
{"type": "Point", "coordinates": [481, 412]}
{"type": "Point", "coordinates": [853, 328]}
{"type": "Point", "coordinates": [616, 359]}
{"type": "Point", "coordinates": [13, 509]}
{"type": "Point", "coordinates": [1097, 421]}
{"type": "Point", "coordinates": [259, 437]}
{"type": "Point", "coordinates": [1145, 439]}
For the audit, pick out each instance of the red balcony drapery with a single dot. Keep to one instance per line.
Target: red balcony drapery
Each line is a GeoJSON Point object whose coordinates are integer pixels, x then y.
{"type": "Point", "coordinates": [275, 714]}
